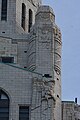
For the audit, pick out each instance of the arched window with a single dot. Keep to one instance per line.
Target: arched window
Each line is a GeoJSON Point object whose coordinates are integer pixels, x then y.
{"type": "Point", "coordinates": [30, 19]}
{"type": "Point", "coordinates": [4, 106]}
{"type": "Point", "coordinates": [4, 10]}
{"type": "Point", "coordinates": [23, 16]}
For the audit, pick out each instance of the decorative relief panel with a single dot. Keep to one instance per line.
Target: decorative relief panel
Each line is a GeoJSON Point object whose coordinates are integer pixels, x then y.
{"type": "Point", "coordinates": [45, 37]}
{"type": "Point", "coordinates": [43, 99]}
{"type": "Point", "coordinates": [57, 49]}
{"type": "Point", "coordinates": [34, 2]}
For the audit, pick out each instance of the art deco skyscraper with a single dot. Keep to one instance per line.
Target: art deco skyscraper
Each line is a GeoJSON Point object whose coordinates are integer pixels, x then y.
{"type": "Point", "coordinates": [30, 61]}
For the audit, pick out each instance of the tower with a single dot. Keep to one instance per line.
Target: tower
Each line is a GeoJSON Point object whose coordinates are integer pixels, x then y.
{"type": "Point", "coordinates": [48, 53]}
{"type": "Point", "coordinates": [30, 61]}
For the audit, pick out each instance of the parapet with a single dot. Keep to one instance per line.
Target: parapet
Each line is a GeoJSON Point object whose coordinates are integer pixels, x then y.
{"type": "Point", "coordinates": [45, 13]}
{"type": "Point", "coordinates": [44, 8]}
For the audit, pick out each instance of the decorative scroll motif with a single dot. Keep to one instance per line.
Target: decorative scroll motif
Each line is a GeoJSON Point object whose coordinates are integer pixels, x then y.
{"type": "Point", "coordinates": [57, 50]}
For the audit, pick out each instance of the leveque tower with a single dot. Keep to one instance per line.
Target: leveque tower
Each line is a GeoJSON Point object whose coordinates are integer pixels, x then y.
{"type": "Point", "coordinates": [30, 61]}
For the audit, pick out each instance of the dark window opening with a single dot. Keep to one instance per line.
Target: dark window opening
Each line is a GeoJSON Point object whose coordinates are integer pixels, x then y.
{"type": "Point", "coordinates": [4, 10]}
{"type": "Point", "coordinates": [7, 59]}
{"type": "Point", "coordinates": [58, 96]}
{"type": "Point", "coordinates": [23, 113]}
{"type": "Point", "coordinates": [47, 76]}
{"type": "Point", "coordinates": [3, 32]}
{"type": "Point", "coordinates": [57, 78]}
{"type": "Point", "coordinates": [30, 20]}
{"type": "Point", "coordinates": [4, 106]}
{"type": "Point", "coordinates": [25, 51]}
{"type": "Point", "coordinates": [23, 16]}
{"type": "Point", "coordinates": [25, 67]}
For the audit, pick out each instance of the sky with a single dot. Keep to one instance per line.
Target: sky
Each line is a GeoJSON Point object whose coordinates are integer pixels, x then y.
{"type": "Point", "coordinates": [67, 13]}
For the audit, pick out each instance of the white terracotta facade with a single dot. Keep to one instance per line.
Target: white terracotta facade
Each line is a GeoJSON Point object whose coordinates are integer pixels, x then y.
{"type": "Point", "coordinates": [33, 77]}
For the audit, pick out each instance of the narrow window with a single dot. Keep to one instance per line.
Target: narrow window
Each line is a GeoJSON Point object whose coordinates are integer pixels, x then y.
{"type": "Point", "coordinates": [23, 113]}
{"type": "Point", "coordinates": [4, 106]}
{"type": "Point", "coordinates": [23, 16]}
{"type": "Point", "coordinates": [4, 10]}
{"type": "Point", "coordinates": [30, 20]}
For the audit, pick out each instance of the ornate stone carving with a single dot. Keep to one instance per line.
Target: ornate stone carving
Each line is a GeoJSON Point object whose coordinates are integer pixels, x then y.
{"type": "Point", "coordinates": [48, 90]}
{"type": "Point", "coordinates": [34, 2]}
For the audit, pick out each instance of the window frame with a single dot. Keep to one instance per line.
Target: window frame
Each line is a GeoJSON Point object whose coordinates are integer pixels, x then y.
{"type": "Point", "coordinates": [7, 59]}
{"type": "Point", "coordinates": [30, 22]}
{"type": "Point", "coordinates": [22, 107]}
{"type": "Point", "coordinates": [23, 18]}
{"type": "Point", "coordinates": [4, 10]}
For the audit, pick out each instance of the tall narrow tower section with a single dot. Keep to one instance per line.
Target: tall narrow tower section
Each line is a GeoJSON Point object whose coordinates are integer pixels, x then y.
{"type": "Point", "coordinates": [48, 58]}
